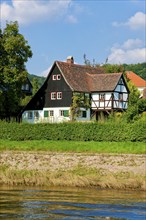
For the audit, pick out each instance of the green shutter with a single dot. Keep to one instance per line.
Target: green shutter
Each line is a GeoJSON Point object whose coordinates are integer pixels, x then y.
{"type": "Point", "coordinates": [45, 114]}
{"type": "Point", "coordinates": [66, 113]}
{"type": "Point", "coordinates": [84, 114]}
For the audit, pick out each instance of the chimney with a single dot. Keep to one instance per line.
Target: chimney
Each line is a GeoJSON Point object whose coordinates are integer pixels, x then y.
{"type": "Point", "coordinates": [70, 59]}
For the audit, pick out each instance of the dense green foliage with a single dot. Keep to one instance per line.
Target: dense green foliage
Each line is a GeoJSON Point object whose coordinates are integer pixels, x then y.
{"type": "Point", "coordinates": [107, 131]}
{"type": "Point", "coordinates": [79, 100]}
{"type": "Point", "coordinates": [15, 52]}
{"type": "Point", "coordinates": [139, 69]}
{"type": "Point", "coordinates": [40, 79]}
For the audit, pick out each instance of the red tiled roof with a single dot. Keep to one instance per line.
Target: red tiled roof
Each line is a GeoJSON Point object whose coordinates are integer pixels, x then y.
{"type": "Point", "coordinates": [135, 79]}
{"type": "Point", "coordinates": [82, 78]}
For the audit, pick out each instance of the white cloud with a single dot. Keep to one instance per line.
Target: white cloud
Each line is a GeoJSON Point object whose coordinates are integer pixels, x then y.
{"type": "Point", "coordinates": [26, 12]}
{"type": "Point", "coordinates": [71, 19]}
{"type": "Point", "coordinates": [129, 52]}
{"type": "Point", "coordinates": [136, 22]}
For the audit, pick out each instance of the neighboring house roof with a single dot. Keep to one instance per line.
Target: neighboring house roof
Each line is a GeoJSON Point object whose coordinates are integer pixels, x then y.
{"type": "Point", "coordinates": [83, 78]}
{"type": "Point", "coordinates": [135, 79]}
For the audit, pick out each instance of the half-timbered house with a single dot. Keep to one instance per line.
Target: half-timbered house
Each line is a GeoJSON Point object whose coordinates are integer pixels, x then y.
{"type": "Point", "coordinates": [52, 102]}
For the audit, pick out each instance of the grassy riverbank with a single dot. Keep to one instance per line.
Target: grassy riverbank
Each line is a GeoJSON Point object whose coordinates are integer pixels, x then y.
{"type": "Point", "coordinates": [116, 165]}
{"type": "Point", "coordinates": [75, 146]}
{"type": "Point", "coordinates": [43, 168]}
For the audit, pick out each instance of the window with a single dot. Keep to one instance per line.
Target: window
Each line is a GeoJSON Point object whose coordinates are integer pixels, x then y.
{"type": "Point", "coordinates": [23, 87]}
{"type": "Point", "coordinates": [51, 113]}
{"type": "Point", "coordinates": [64, 113]}
{"type": "Point", "coordinates": [36, 114]}
{"type": "Point", "coordinates": [102, 97]}
{"type": "Point", "coordinates": [53, 95]}
{"type": "Point", "coordinates": [59, 95]}
{"type": "Point", "coordinates": [121, 82]}
{"type": "Point", "coordinates": [54, 77]}
{"type": "Point", "coordinates": [83, 114]}
{"type": "Point", "coordinates": [120, 96]}
{"type": "Point", "coordinates": [27, 87]}
{"type": "Point", "coordinates": [29, 115]}
{"type": "Point", "coordinates": [46, 114]}
{"type": "Point", "coordinates": [58, 77]}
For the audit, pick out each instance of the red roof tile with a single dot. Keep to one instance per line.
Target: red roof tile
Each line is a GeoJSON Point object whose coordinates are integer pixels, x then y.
{"type": "Point", "coordinates": [135, 79]}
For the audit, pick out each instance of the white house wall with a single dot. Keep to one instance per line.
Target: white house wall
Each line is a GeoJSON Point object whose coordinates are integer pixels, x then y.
{"type": "Point", "coordinates": [56, 118]}
{"type": "Point", "coordinates": [96, 103]}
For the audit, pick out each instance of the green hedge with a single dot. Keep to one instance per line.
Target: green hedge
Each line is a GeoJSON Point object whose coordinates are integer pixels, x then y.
{"type": "Point", "coordinates": [109, 131]}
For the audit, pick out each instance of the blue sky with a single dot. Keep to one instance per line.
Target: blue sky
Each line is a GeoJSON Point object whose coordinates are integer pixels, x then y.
{"type": "Point", "coordinates": [56, 29]}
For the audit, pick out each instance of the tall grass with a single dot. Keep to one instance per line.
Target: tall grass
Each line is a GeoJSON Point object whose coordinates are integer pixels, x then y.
{"type": "Point", "coordinates": [78, 177]}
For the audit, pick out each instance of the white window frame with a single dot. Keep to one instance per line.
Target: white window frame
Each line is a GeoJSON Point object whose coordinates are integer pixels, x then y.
{"type": "Point", "coordinates": [59, 77]}
{"type": "Point", "coordinates": [54, 77]}
{"type": "Point", "coordinates": [59, 95]}
{"type": "Point", "coordinates": [61, 113]}
{"type": "Point", "coordinates": [53, 95]}
{"type": "Point", "coordinates": [51, 113]}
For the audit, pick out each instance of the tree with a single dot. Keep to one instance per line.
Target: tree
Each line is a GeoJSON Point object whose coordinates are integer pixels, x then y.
{"type": "Point", "coordinates": [15, 52]}
{"type": "Point", "coordinates": [79, 100]}
{"type": "Point", "coordinates": [113, 68]}
{"type": "Point", "coordinates": [35, 85]}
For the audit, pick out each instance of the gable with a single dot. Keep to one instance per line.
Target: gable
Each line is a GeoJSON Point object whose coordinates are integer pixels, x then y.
{"type": "Point", "coordinates": [122, 86]}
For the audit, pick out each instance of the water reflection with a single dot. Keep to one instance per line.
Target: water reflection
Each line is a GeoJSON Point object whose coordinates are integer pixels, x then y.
{"type": "Point", "coordinates": [67, 203]}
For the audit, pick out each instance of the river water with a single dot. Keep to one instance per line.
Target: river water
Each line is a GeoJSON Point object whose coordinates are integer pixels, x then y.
{"type": "Point", "coordinates": [71, 204]}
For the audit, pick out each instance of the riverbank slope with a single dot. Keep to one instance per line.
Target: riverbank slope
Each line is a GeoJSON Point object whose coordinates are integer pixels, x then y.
{"type": "Point", "coordinates": [116, 171]}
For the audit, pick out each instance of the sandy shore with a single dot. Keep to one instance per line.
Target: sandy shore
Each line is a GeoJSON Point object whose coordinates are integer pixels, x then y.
{"type": "Point", "coordinates": [125, 170]}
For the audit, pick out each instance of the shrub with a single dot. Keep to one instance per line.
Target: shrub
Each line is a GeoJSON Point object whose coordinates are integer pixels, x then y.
{"type": "Point", "coordinates": [93, 131]}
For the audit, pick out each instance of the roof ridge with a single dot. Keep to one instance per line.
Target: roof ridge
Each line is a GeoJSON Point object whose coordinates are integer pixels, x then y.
{"type": "Point", "coordinates": [76, 64]}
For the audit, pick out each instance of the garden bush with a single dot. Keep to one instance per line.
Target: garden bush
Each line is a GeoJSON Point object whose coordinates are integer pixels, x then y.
{"type": "Point", "coordinates": [92, 131]}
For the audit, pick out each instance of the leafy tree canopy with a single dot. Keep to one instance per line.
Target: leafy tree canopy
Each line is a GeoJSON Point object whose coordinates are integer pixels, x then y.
{"type": "Point", "coordinates": [14, 52]}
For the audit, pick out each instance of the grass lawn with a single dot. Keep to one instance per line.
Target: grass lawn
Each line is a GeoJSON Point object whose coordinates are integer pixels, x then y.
{"type": "Point", "coordinates": [75, 146]}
